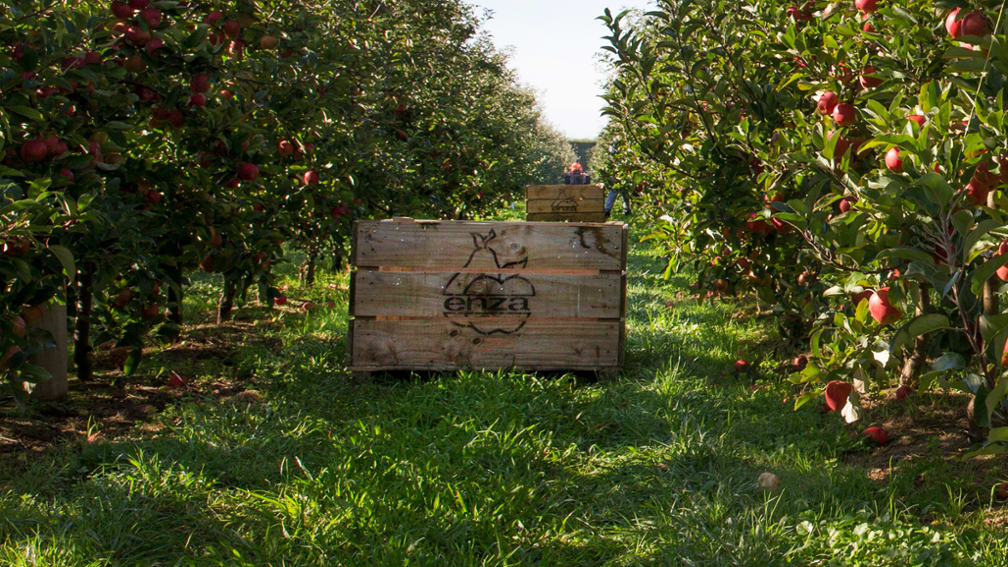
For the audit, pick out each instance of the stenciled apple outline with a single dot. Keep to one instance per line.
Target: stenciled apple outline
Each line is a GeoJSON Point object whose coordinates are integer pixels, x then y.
{"type": "Point", "coordinates": [482, 243]}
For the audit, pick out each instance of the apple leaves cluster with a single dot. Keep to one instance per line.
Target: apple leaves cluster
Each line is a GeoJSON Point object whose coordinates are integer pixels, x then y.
{"type": "Point", "coordinates": [142, 140]}
{"type": "Point", "coordinates": [844, 160]}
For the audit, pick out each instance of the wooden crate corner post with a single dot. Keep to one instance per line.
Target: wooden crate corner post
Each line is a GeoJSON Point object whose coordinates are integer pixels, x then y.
{"type": "Point", "coordinates": [445, 295]}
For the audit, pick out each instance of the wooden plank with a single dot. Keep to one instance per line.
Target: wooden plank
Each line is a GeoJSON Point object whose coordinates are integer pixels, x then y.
{"type": "Point", "coordinates": [439, 344]}
{"type": "Point", "coordinates": [560, 206]}
{"type": "Point", "coordinates": [452, 245]}
{"type": "Point", "coordinates": [552, 192]}
{"type": "Point", "coordinates": [434, 294]}
{"type": "Point", "coordinates": [566, 217]}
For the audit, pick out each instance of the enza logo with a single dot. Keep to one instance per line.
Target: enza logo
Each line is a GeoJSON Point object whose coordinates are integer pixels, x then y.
{"type": "Point", "coordinates": [489, 302]}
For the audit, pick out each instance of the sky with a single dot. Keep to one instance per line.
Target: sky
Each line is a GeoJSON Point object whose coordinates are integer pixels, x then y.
{"type": "Point", "coordinates": [554, 47]}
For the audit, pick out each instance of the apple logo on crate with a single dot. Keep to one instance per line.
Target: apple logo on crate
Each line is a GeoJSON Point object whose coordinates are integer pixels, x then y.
{"type": "Point", "coordinates": [489, 302]}
{"type": "Point", "coordinates": [566, 205]}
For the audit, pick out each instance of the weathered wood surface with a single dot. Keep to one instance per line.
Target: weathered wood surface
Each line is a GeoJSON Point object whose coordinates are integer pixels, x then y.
{"type": "Point", "coordinates": [547, 206]}
{"type": "Point", "coordinates": [426, 294]}
{"type": "Point", "coordinates": [439, 295]}
{"type": "Point", "coordinates": [568, 203]}
{"type": "Point", "coordinates": [451, 245]}
{"type": "Point", "coordinates": [426, 344]}
{"type": "Point", "coordinates": [566, 217]}
{"type": "Point", "coordinates": [553, 192]}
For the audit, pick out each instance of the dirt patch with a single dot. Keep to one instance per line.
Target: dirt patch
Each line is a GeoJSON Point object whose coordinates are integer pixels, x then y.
{"type": "Point", "coordinates": [933, 428]}
{"type": "Point", "coordinates": [114, 406]}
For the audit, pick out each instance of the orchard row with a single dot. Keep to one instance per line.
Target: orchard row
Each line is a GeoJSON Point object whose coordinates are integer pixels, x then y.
{"type": "Point", "coordinates": [144, 140]}
{"type": "Point", "coordinates": [845, 161]}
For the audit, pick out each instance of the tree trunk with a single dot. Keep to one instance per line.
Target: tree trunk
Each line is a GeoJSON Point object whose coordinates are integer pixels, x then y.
{"type": "Point", "coordinates": [82, 328]}
{"type": "Point", "coordinates": [913, 365]}
{"type": "Point", "coordinates": [307, 271]}
{"type": "Point", "coordinates": [175, 296]}
{"type": "Point", "coordinates": [54, 359]}
{"type": "Point", "coordinates": [990, 308]}
{"type": "Point", "coordinates": [226, 303]}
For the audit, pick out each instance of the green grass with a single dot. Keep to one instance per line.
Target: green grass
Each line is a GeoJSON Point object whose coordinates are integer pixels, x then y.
{"type": "Point", "coordinates": [656, 468]}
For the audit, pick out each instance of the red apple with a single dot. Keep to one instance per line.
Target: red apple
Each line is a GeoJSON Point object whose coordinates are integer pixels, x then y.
{"type": "Point", "coordinates": [845, 205]}
{"type": "Point", "coordinates": [232, 29]}
{"type": "Point", "coordinates": [877, 435]}
{"type": "Point", "coordinates": [152, 16]}
{"type": "Point", "coordinates": [893, 161]}
{"type": "Point", "coordinates": [139, 4]}
{"type": "Point", "coordinates": [866, 6]}
{"type": "Point", "coordinates": [974, 23]}
{"type": "Point", "coordinates": [868, 79]}
{"type": "Point", "coordinates": [920, 120]}
{"type": "Point", "coordinates": [18, 325]}
{"type": "Point", "coordinates": [135, 64]}
{"type": "Point", "coordinates": [881, 309]}
{"type": "Point", "coordinates": [280, 300]}
{"type": "Point", "coordinates": [868, 28]}
{"type": "Point", "coordinates": [904, 392]}
{"type": "Point", "coordinates": [800, 362]}
{"type": "Point", "coordinates": [827, 102]}
{"type": "Point", "coordinates": [268, 42]}
{"type": "Point", "coordinates": [741, 366]}
{"type": "Point", "coordinates": [213, 17]}
{"type": "Point", "coordinates": [952, 25]}
{"type": "Point", "coordinates": [13, 350]}
{"type": "Point", "coordinates": [34, 151]}
{"type": "Point", "coordinates": [123, 298]}
{"type": "Point", "coordinates": [307, 306]}
{"type": "Point", "coordinates": [977, 191]}
{"type": "Point", "coordinates": [248, 171]}
{"type": "Point", "coordinates": [150, 311]}
{"type": "Point", "coordinates": [153, 45]}
{"type": "Point", "coordinates": [137, 35]}
{"type": "Point", "coordinates": [844, 114]}
{"type": "Point", "coordinates": [311, 177]}
{"type": "Point", "coordinates": [122, 10]}
{"type": "Point", "coordinates": [200, 83]}
{"type": "Point", "coordinates": [285, 148]}
{"type": "Point", "coordinates": [198, 100]}
{"type": "Point", "coordinates": [836, 394]}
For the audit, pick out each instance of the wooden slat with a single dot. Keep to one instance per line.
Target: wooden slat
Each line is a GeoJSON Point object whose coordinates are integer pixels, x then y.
{"type": "Point", "coordinates": [566, 217]}
{"type": "Point", "coordinates": [558, 206]}
{"type": "Point", "coordinates": [426, 294]}
{"type": "Point", "coordinates": [588, 192]}
{"type": "Point", "coordinates": [451, 245]}
{"type": "Point", "coordinates": [438, 344]}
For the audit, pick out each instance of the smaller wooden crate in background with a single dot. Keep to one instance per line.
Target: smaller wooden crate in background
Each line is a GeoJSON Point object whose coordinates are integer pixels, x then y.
{"type": "Point", "coordinates": [572, 203]}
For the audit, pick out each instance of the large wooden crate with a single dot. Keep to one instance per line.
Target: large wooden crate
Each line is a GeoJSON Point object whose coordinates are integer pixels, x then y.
{"type": "Point", "coordinates": [573, 203]}
{"type": "Point", "coordinates": [442, 295]}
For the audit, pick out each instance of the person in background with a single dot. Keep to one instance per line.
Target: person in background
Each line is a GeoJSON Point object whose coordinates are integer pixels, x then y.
{"type": "Point", "coordinates": [611, 200]}
{"type": "Point", "coordinates": [575, 175]}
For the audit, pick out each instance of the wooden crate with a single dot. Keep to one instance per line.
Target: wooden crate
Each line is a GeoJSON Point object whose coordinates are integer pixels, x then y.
{"type": "Point", "coordinates": [443, 295]}
{"type": "Point", "coordinates": [573, 203]}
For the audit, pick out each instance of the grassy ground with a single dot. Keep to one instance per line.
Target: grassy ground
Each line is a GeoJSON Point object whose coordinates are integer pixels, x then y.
{"type": "Point", "coordinates": [302, 467]}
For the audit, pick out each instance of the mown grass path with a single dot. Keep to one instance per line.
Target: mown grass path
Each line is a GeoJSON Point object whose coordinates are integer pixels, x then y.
{"type": "Point", "coordinates": [657, 468]}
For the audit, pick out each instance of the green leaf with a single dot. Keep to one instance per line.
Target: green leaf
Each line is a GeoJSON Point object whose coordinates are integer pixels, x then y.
{"type": "Point", "coordinates": [918, 326]}
{"type": "Point", "coordinates": [995, 396]}
{"type": "Point", "coordinates": [992, 449]}
{"type": "Point", "coordinates": [970, 250]}
{"type": "Point", "coordinates": [132, 361]}
{"type": "Point", "coordinates": [998, 435]}
{"type": "Point", "coordinates": [908, 253]}
{"type": "Point", "coordinates": [986, 271]}
{"type": "Point", "coordinates": [28, 112]}
{"type": "Point", "coordinates": [946, 362]}
{"type": "Point", "coordinates": [66, 258]}
{"type": "Point", "coordinates": [804, 399]}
